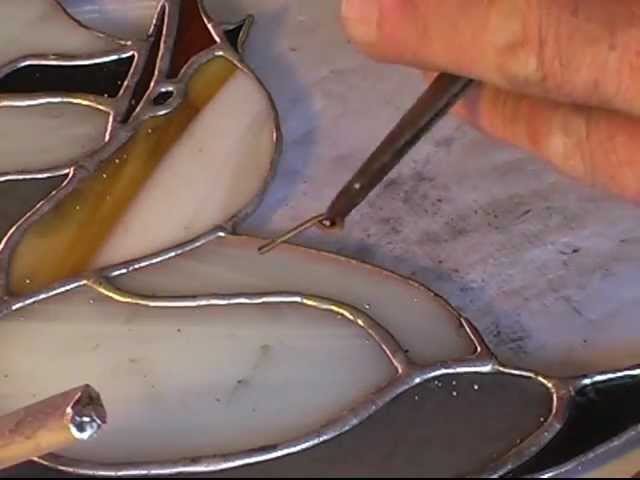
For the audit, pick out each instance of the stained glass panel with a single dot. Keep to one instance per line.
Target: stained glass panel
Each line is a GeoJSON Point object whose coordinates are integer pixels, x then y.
{"type": "Point", "coordinates": [123, 270]}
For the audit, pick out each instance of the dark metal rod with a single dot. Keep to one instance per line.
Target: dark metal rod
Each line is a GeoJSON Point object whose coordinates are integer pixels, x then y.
{"type": "Point", "coordinates": [432, 105]}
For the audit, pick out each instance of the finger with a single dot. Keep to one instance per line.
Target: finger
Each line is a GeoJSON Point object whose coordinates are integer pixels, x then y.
{"type": "Point", "coordinates": [429, 76]}
{"type": "Point", "coordinates": [595, 146]}
{"type": "Point", "coordinates": [575, 51]}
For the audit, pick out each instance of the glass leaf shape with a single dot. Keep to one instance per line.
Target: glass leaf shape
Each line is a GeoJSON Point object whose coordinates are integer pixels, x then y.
{"type": "Point", "coordinates": [120, 18]}
{"type": "Point", "coordinates": [43, 28]}
{"type": "Point", "coordinates": [187, 382]}
{"type": "Point", "coordinates": [448, 428]}
{"type": "Point", "coordinates": [429, 330]}
{"type": "Point", "coordinates": [47, 136]}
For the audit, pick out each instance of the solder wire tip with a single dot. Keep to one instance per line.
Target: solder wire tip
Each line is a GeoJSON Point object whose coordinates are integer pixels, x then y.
{"type": "Point", "coordinates": [297, 230]}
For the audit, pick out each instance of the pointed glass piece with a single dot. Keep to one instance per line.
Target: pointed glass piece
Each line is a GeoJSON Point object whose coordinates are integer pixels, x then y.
{"type": "Point", "coordinates": [424, 324]}
{"type": "Point", "coordinates": [105, 79]}
{"type": "Point", "coordinates": [453, 427]}
{"type": "Point", "coordinates": [48, 136]}
{"type": "Point", "coordinates": [44, 28]}
{"type": "Point", "coordinates": [129, 19]}
{"type": "Point", "coordinates": [183, 382]}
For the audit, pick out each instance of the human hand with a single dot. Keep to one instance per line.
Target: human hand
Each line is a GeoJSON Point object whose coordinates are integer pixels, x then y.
{"type": "Point", "coordinates": [560, 78]}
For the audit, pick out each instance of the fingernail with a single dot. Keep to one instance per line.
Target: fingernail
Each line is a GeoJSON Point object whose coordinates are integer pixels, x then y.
{"type": "Point", "coordinates": [361, 19]}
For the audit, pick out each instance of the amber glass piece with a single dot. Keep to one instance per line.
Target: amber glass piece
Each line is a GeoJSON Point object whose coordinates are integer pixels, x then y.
{"type": "Point", "coordinates": [64, 241]}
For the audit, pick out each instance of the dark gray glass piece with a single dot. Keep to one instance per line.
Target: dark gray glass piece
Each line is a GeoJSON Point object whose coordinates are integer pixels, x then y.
{"type": "Point", "coordinates": [454, 426]}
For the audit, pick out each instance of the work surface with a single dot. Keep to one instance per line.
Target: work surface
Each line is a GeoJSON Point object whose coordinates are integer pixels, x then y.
{"type": "Point", "coordinates": [546, 268]}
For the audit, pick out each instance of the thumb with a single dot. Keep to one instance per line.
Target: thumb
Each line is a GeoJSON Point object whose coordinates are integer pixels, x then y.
{"type": "Point", "coordinates": [554, 49]}
{"type": "Point", "coordinates": [396, 31]}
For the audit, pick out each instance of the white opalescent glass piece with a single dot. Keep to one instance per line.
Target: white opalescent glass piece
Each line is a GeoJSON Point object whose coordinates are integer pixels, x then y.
{"type": "Point", "coordinates": [42, 27]}
{"type": "Point", "coordinates": [47, 136]}
{"type": "Point", "coordinates": [183, 382]}
{"type": "Point", "coordinates": [128, 19]}
{"type": "Point", "coordinates": [428, 329]}
{"type": "Point", "coordinates": [214, 171]}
